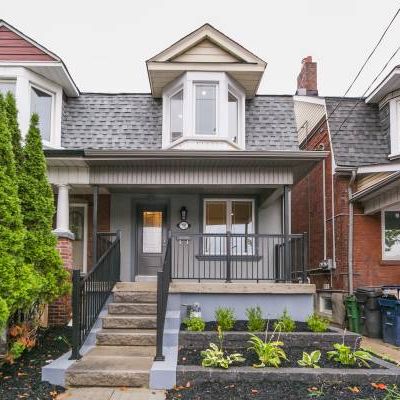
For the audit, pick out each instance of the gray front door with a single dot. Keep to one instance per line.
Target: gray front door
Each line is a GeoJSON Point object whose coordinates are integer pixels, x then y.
{"type": "Point", "coordinates": [152, 238]}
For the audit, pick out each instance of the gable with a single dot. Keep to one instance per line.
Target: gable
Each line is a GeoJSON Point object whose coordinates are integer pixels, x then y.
{"type": "Point", "coordinates": [15, 47]}
{"type": "Point", "coordinates": [206, 51]}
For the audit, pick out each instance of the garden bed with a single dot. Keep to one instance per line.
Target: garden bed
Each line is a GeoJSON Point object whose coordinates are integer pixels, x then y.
{"type": "Point", "coordinates": [22, 380]}
{"type": "Point", "coordinates": [287, 390]}
{"type": "Point", "coordinates": [241, 326]}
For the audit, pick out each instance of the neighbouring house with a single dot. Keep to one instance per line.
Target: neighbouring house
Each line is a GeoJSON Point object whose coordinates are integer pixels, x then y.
{"type": "Point", "coordinates": [349, 202]}
{"type": "Point", "coordinates": [191, 182]}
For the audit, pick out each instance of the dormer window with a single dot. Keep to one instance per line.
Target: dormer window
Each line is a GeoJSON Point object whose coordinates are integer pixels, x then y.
{"type": "Point", "coordinates": [204, 110]}
{"type": "Point", "coordinates": [42, 104]}
{"type": "Point", "coordinates": [7, 86]}
{"type": "Point", "coordinates": [176, 115]}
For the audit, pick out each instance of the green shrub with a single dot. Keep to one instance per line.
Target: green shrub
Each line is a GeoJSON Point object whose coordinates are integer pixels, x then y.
{"type": "Point", "coordinates": [285, 323]}
{"type": "Point", "coordinates": [256, 322]}
{"type": "Point", "coordinates": [269, 353]}
{"type": "Point", "coordinates": [310, 360]}
{"type": "Point", "coordinates": [195, 324]}
{"type": "Point", "coordinates": [16, 350]}
{"type": "Point", "coordinates": [317, 323]}
{"type": "Point", "coordinates": [225, 318]}
{"type": "Point", "coordinates": [215, 355]}
{"type": "Point", "coordinates": [37, 203]}
{"type": "Point", "coordinates": [344, 355]}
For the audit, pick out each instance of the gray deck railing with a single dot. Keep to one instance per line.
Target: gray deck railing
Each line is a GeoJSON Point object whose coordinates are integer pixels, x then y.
{"type": "Point", "coordinates": [229, 257]}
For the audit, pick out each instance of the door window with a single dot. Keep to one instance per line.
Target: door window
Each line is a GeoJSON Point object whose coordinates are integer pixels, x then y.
{"type": "Point", "coordinates": [77, 224]}
{"type": "Point", "coordinates": [152, 231]}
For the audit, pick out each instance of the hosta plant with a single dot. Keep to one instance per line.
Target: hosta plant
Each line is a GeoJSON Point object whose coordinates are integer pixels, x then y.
{"type": "Point", "coordinates": [269, 353]}
{"type": "Point", "coordinates": [215, 356]}
{"type": "Point", "coordinates": [344, 355]}
{"type": "Point", "coordinates": [310, 360]}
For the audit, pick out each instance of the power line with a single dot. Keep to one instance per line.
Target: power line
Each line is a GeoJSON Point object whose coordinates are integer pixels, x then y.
{"type": "Point", "coordinates": [365, 92]}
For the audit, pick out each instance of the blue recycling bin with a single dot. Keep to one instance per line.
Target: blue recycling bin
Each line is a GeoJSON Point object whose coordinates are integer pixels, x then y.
{"type": "Point", "coordinates": [390, 309]}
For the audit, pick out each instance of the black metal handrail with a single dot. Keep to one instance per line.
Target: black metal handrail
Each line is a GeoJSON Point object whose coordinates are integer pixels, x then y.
{"type": "Point", "coordinates": [104, 241]}
{"type": "Point", "coordinates": [229, 256]}
{"type": "Point", "coordinates": [90, 292]}
{"type": "Point", "coordinates": [163, 281]}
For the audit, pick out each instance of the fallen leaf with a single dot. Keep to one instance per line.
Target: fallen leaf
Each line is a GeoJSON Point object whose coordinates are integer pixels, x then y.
{"type": "Point", "coordinates": [254, 391]}
{"type": "Point", "coordinates": [312, 389]}
{"type": "Point", "coordinates": [354, 389]}
{"type": "Point", "coordinates": [188, 384]}
{"type": "Point", "coordinates": [21, 374]}
{"type": "Point", "coordinates": [380, 386]}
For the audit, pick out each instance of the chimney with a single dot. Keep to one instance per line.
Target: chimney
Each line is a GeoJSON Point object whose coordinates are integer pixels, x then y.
{"type": "Point", "coordinates": [307, 79]}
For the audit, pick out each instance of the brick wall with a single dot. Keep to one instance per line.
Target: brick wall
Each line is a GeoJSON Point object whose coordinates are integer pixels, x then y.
{"type": "Point", "coordinates": [307, 216]}
{"type": "Point", "coordinates": [60, 311]}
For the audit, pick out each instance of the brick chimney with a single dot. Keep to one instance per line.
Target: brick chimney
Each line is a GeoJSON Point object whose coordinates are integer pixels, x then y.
{"type": "Point", "coordinates": [307, 79]}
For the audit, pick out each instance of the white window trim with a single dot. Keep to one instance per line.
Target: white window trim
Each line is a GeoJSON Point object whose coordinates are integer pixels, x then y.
{"type": "Point", "coordinates": [52, 122]}
{"type": "Point", "coordinates": [85, 232]}
{"type": "Point", "coordinates": [24, 78]}
{"type": "Point", "coordinates": [394, 112]}
{"type": "Point", "coordinates": [384, 256]}
{"type": "Point", "coordinates": [168, 110]}
{"type": "Point", "coordinates": [187, 82]}
{"type": "Point", "coordinates": [229, 201]}
{"type": "Point", "coordinates": [9, 80]}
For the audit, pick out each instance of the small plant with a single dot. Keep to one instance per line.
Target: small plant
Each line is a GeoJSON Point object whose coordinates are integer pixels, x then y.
{"type": "Point", "coordinates": [215, 355]}
{"type": "Point", "coordinates": [225, 318]}
{"type": "Point", "coordinates": [256, 322]}
{"type": "Point", "coordinates": [15, 352]}
{"type": "Point", "coordinates": [269, 352]}
{"type": "Point", "coordinates": [392, 393]}
{"type": "Point", "coordinates": [344, 355]}
{"type": "Point", "coordinates": [285, 322]}
{"type": "Point", "coordinates": [22, 337]}
{"type": "Point", "coordinates": [194, 324]}
{"type": "Point", "coordinates": [315, 392]}
{"type": "Point", "coordinates": [310, 360]}
{"type": "Point", "coordinates": [316, 323]}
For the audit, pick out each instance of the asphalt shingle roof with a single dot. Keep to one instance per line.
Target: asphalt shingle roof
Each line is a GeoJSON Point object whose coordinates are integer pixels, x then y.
{"type": "Point", "coordinates": [364, 137]}
{"type": "Point", "coordinates": [134, 121]}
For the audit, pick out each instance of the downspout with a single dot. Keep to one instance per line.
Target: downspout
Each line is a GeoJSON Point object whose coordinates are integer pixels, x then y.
{"type": "Point", "coordinates": [324, 204]}
{"type": "Point", "coordinates": [350, 242]}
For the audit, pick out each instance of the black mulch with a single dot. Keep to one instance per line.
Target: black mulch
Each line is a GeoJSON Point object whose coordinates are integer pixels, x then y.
{"type": "Point", "coordinates": [193, 357]}
{"type": "Point", "coordinates": [241, 326]}
{"type": "Point", "coordinates": [22, 380]}
{"type": "Point", "coordinates": [273, 391]}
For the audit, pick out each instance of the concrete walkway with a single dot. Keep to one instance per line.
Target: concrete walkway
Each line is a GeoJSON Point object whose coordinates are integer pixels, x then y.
{"type": "Point", "coordinates": [384, 350]}
{"type": "Point", "coordinates": [96, 393]}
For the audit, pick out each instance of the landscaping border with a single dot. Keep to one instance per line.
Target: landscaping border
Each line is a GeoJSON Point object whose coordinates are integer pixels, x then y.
{"type": "Point", "coordinates": [197, 374]}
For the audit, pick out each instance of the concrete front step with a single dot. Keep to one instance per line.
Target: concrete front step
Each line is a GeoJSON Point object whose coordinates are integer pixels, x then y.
{"type": "Point", "coordinates": [110, 372]}
{"type": "Point", "coordinates": [135, 287]}
{"type": "Point", "coordinates": [135, 297]}
{"type": "Point", "coordinates": [126, 337]}
{"type": "Point", "coordinates": [112, 321]}
{"type": "Point", "coordinates": [122, 351]}
{"type": "Point", "coordinates": [133, 308]}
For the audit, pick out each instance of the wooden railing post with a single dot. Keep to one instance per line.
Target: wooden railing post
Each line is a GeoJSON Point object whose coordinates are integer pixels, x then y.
{"type": "Point", "coordinates": [76, 314]}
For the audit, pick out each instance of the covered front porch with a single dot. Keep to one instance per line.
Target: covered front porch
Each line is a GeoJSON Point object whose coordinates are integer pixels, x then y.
{"type": "Point", "coordinates": [220, 218]}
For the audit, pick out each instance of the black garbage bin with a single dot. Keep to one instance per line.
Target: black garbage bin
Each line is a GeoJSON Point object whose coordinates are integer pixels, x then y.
{"type": "Point", "coordinates": [370, 313]}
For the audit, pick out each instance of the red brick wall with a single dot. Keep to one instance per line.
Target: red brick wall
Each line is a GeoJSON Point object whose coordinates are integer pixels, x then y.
{"type": "Point", "coordinates": [307, 216]}
{"type": "Point", "coordinates": [14, 48]}
{"type": "Point", "coordinates": [60, 311]}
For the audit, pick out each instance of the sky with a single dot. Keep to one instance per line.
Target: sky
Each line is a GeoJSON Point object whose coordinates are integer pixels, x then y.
{"type": "Point", "coordinates": [105, 43]}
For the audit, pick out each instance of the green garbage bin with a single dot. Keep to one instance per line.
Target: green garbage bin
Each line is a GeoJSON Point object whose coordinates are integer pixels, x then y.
{"type": "Point", "coordinates": [353, 313]}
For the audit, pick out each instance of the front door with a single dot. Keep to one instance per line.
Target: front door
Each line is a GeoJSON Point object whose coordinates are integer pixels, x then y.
{"type": "Point", "coordinates": [152, 236]}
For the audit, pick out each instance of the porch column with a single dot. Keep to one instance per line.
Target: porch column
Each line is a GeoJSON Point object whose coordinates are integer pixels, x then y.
{"type": "Point", "coordinates": [62, 228]}
{"type": "Point", "coordinates": [59, 312]}
{"type": "Point", "coordinates": [286, 211]}
{"type": "Point", "coordinates": [95, 211]}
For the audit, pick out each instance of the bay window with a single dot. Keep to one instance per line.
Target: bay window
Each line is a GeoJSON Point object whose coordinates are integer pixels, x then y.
{"type": "Point", "coordinates": [391, 234]}
{"type": "Point", "coordinates": [42, 104]}
{"type": "Point", "coordinates": [206, 109]}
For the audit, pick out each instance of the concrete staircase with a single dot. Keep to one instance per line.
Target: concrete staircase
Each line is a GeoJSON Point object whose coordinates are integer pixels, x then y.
{"type": "Point", "coordinates": [125, 346]}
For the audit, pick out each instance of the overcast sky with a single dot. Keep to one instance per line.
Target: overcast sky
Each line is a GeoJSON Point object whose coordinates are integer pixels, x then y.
{"type": "Point", "coordinates": [105, 43]}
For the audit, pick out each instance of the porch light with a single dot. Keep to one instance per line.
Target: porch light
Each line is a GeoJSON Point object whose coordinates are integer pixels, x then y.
{"type": "Point", "coordinates": [183, 212]}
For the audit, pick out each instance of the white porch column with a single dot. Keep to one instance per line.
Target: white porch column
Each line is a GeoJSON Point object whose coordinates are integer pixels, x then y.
{"type": "Point", "coordinates": [62, 228]}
